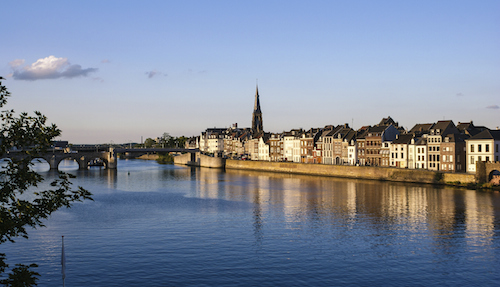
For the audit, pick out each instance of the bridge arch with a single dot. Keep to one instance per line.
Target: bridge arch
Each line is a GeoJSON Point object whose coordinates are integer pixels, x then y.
{"type": "Point", "coordinates": [40, 164]}
{"type": "Point", "coordinates": [487, 171]}
{"type": "Point", "coordinates": [83, 160]}
{"type": "Point", "coordinates": [494, 177]}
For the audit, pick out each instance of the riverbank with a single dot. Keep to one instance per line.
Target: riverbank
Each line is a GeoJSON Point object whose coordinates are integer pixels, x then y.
{"type": "Point", "coordinates": [358, 172]}
{"type": "Point", "coordinates": [148, 156]}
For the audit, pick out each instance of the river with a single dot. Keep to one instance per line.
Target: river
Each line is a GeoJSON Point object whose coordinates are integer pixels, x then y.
{"type": "Point", "coordinates": [167, 225]}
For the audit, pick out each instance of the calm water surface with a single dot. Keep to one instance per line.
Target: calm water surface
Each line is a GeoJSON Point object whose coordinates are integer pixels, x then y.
{"type": "Point", "coordinates": [165, 225]}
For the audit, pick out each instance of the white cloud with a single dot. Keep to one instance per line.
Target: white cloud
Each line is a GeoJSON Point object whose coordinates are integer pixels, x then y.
{"type": "Point", "coordinates": [48, 68]}
{"type": "Point", "coordinates": [16, 63]}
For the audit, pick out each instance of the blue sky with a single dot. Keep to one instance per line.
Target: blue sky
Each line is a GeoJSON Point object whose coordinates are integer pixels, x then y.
{"type": "Point", "coordinates": [113, 71]}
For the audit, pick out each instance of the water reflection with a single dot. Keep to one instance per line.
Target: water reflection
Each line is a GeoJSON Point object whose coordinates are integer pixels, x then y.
{"type": "Point", "coordinates": [387, 207]}
{"type": "Point", "coordinates": [207, 226]}
{"type": "Point", "coordinates": [384, 208]}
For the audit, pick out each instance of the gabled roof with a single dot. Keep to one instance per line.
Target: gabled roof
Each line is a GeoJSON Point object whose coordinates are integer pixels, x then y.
{"type": "Point", "coordinates": [377, 129]}
{"type": "Point", "coordinates": [470, 129]}
{"type": "Point", "coordinates": [331, 133]}
{"type": "Point", "coordinates": [362, 133]}
{"type": "Point", "coordinates": [387, 122]}
{"type": "Point", "coordinates": [403, 139]}
{"type": "Point", "coordinates": [343, 132]}
{"type": "Point", "coordinates": [421, 128]}
{"type": "Point", "coordinates": [444, 127]}
{"type": "Point", "coordinates": [487, 134]}
{"type": "Point", "coordinates": [350, 136]}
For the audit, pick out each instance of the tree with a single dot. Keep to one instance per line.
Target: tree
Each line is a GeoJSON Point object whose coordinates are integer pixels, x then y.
{"type": "Point", "coordinates": [165, 140]}
{"type": "Point", "coordinates": [30, 136]}
{"type": "Point", "coordinates": [149, 142]}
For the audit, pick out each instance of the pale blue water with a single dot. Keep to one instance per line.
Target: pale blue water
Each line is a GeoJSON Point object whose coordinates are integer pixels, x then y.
{"type": "Point", "coordinates": [165, 225]}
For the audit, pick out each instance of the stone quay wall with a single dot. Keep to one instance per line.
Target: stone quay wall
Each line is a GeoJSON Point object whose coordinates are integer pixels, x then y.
{"type": "Point", "coordinates": [198, 159]}
{"type": "Point", "coordinates": [358, 172]}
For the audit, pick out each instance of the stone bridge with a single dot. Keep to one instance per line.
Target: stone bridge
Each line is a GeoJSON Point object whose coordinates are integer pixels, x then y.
{"type": "Point", "coordinates": [83, 158]}
{"type": "Point", "coordinates": [84, 155]}
{"type": "Point", "coordinates": [488, 172]}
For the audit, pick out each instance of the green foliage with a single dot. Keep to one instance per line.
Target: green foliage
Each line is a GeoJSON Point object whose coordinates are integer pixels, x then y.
{"type": "Point", "coordinates": [29, 136]}
{"type": "Point", "coordinates": [165, 158]}
{"type": "Point", "coordinates": [149, 142]}
{"type": "Point", "coordinates": [21, 276]}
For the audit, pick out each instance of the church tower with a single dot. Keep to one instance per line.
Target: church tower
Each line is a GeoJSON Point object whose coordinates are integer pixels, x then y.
{"type": "Point", "coordinates": [257, 115]}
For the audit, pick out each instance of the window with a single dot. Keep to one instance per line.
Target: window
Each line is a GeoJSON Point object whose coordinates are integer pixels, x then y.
{"type": "Point", "coordinates": [487, 158]}
{"type": "Point", "coordinates": [479, 158]}
{"type": "Point", "coordinates": [478, 148]}
{"type": "Point", "coordinates": [471, 148]}
{"type": "Point", "coordinates": [402, 156]}
{"type": "Point", "coordinates": [471, 160]}
{"type": "Point", "coordinates": [487, 148]}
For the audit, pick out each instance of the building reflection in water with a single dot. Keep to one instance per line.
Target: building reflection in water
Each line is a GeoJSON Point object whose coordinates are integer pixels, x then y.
{"type": "Point", "coordinates": [452, 217]}
{"type": "Point", "coordinates": [388, 208]}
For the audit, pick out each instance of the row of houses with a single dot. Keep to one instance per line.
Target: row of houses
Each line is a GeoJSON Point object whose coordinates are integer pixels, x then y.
{"type": "Point", "coordinates": [440, 146]}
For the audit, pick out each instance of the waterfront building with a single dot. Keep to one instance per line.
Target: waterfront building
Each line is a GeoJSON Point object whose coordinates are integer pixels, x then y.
{"type": "Point", "coordinates": [328, 145]}
{"type": "Point", "coordinates": [192, 143]}
{"type": "Point", "coordinates": [263, 147]}
{"type": "Point", "coordinates": [352, 151]}
{"type": "Point", "coordinates": [400, 151]}
{"type": "Point", "coordinates": [318, 153]}
{"type": "Point", "coordinates": [296, 147]}
{"type": "Point", "coordinates": [361, 145]}
{"type": "Point", "coordinates": [252, 148]}
{"type": "Point", "coordinates": [212, 141]}
{"type": "Point", "coordinates": [377, 153]}
{"type": "Point", "coordinates": [484, 146]}
{"type": "Point", "coordinates": [276, 147]}
{"type": "Point", "coordinates": [421, 153]}
{"type": "Point", "coordinates": [434, 140]}
{"type": "Point", "coordinates": [291, 145]}
{"type": "Point", "coordinates": [453, 153]}
{"type": "Point", "coordinates": [340, 142]}
{"type": "Point", "coordinates": [307, 141]}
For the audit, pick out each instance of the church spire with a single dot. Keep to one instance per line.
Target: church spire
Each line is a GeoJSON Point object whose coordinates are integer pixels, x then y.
{"type": "Point", "coordinates": [256, 106]}
{"type": "Point", "coordinates": [257, 114]}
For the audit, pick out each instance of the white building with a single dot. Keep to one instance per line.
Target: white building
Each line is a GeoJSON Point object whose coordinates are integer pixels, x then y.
{"type": "Point", "coordinates": [264, 148]}
{"type": "Point", "coordinates": [482, 147]}
{"type": "Point", "coordinates": [212, 140]}
{"type": "Point", "coordinates": [399, 151]}
{"type": "Point", "coordinates": [352, 152]}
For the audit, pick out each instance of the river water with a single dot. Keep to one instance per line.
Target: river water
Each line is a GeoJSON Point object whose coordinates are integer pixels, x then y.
{"type": "Point", "coordinates": [167, 225]}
